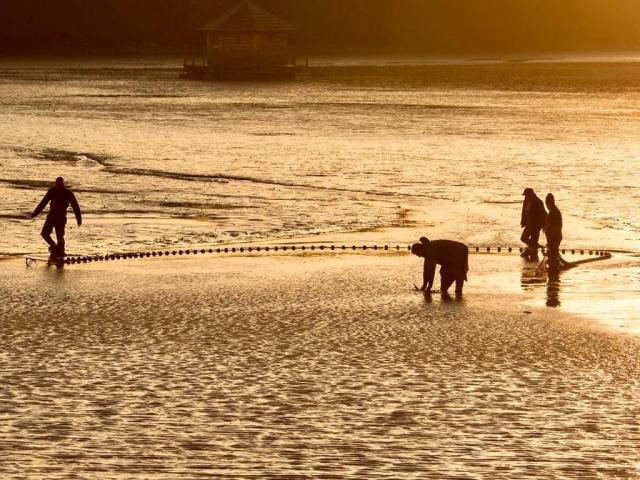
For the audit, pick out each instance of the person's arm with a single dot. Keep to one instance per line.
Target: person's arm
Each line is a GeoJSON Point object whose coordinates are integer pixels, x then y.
{"type": "Point", "coordinates": [523, 217]}
{"type": "Point", "coordinates": [427, 276]}
{"type": "Point", "coordinates": [76, 209]}
{"type": "Point", "coordinates": [43, 203]}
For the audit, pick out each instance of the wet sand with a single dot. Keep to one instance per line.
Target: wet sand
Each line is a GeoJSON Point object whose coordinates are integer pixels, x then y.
{"type": "Point", "coordinates": [304, 367]}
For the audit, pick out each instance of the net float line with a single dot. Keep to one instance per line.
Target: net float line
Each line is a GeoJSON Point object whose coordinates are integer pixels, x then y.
{"type": "Point", "coordinates": [327, 248]}
{"type": "Point", "coordinates": [603, 256]}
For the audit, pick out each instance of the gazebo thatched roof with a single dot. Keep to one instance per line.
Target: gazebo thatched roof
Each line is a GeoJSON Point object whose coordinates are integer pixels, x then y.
{"type": "Point", "coordinates": [247, 17]}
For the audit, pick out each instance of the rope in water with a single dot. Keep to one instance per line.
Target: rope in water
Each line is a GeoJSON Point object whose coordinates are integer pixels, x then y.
{"type": "Point", "coordinates": [600, 254]}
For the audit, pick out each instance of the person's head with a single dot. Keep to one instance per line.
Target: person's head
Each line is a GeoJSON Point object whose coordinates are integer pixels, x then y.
{"type": "Point", "coordinates": [59, 182]}
{"type": "Point", "coordinates": [418, 249]}
{"type": "Point", "coordinates": [550, 200]}
{"type": "Point", "coordinates": [424, 240]}
{"type": "Point", "coordinates": [528, 193]}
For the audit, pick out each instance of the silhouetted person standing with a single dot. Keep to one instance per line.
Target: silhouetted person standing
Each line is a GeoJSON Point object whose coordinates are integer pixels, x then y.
{"type": "Point", "coordinates": [534, 217]}
{"type": "Point", "coordinates": [60, 198]}
{"type": "Point", "coordinates": [553, 232]}
{"type": "Point", "coordinates": [453, 258]}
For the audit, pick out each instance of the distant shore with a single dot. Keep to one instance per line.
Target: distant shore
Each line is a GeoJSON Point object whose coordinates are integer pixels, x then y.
{"type": "Point", "coordinates": [168, 57]}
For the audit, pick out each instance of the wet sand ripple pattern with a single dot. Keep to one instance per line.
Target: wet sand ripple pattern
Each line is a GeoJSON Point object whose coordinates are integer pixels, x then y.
{"type": "Point", "coordinates": [327, 374]}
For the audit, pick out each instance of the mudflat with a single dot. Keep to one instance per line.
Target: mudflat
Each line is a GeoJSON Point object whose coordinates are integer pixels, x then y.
{"type": "Point", "coordinates": [313, 366]}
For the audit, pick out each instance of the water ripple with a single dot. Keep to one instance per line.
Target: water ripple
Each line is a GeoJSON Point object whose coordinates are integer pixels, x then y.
{"type": "Point", "coordinates": [251, 371]}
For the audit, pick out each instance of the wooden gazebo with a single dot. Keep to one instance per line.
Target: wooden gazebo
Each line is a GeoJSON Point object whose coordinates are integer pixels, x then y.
{"type": "Point", "coordinates": [247, 42]}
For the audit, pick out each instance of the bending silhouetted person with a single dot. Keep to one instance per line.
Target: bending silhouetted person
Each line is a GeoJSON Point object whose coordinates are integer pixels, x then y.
{"type": "Point", "coordinates": [553, 232]}
{"type": "Point", "coordinates": [534, 217]}
{"type": "Point", "coordinates": [60, 198]}
{"type": "Point", "coordinates": [453, 257]}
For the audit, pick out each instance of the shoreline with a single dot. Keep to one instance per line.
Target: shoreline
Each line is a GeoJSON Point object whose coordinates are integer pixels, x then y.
{"type": "Point", "coordinates": [416, 221]}
{"type": "Point", "coordinates": [500, 273]}
{"type": "Point", "coordinates": [153, 60]}
{"type": "Point", "coordinates": [305, 366]}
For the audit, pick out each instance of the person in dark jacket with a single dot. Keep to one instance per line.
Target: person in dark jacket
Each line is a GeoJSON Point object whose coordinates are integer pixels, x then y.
{"type": "Point", "coordinates": [534, 217]}
{"type": "Point", "coordinates": [60, 198]}
{"type": "Point", "coordinates": [553, 232]}
{"type": "Point", "coordinates": [453, 257]}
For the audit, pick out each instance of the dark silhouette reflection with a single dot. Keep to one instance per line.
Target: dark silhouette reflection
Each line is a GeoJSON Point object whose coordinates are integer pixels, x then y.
{"type": "Point", "coordinates": [55, 272]}
{"type": "Point", "coordinates": [453, 258]}
{"type": "Point", "coordinates": [534, 276]}
{"type": "Point", "coordinates": [553, 290]}
{"type": "Point", "coordinates": [445, 299]}
{"type": "Point", "coordinates": [56, 261]}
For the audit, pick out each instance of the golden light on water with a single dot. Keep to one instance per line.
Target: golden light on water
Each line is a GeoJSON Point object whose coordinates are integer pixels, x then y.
{"type": "Point", "coordinates": [320, 363]}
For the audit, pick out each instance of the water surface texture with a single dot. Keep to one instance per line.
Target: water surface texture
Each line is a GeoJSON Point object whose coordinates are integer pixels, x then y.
{"type": "Point", "coordinates": [303, 368]}
{"type": "Point", "coordinates": [160, 161]}
{"type": "Point", "coordinates": [318, 366]}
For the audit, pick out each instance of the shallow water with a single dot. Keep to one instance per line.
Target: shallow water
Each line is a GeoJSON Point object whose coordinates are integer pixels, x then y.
{"type": "Point", "coordinates": [159, 161]}
{"type": "Point", "coordinates": [303, 367]}
{"type": "Point", "coordinates": [318, 367]}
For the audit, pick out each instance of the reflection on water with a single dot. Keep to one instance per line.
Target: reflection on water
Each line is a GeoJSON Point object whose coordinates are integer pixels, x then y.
{"type": "Point", "coordinates": [301, 368]}
{"type": "Point", "coordinates": [535, 274]}
{"type": "Point", "coordinates": [445, 299]}
{"type": "Point", "coordinates": [531, 275]}
{"type": "Point", "coordinates": [553, 290]}
{"type": "Point", "coordinates": [159, 161]}
{"type": "Point", "coordinates": [607, 291]}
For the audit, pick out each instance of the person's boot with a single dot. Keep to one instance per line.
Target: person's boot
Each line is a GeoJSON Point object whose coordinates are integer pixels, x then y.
{"type": "Point", "coordinates": [53, 249]}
